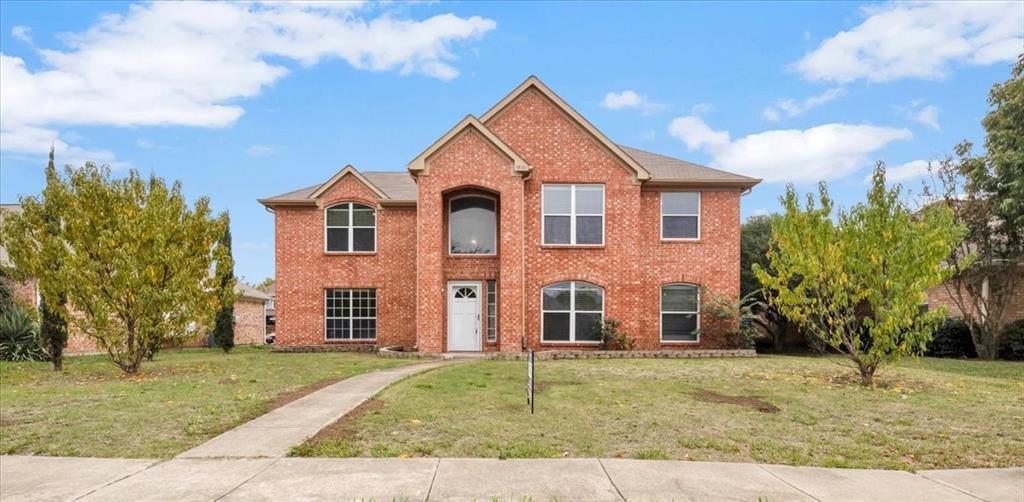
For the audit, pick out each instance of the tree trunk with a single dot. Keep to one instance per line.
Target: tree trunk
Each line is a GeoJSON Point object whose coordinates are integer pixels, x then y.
{"type": "Point", "coordinates": [58, 363]}
{"type": "Point", "coordinates": [867, 373]}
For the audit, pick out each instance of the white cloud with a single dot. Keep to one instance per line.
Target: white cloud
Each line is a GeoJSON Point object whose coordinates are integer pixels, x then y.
{"type": "Point", "coordinates": [928, 116]}
{"type": "Point", "coordinates": [259, 151]}
{"type": "Point", "coordinates": [629, 99]}
{"type": "Point", "coordinates": [701, 109]}
{"type": "Point", "coordinates": [37, 141]}
{"type": "Point", "coordinates": [619, 100]}
{"type": "Point", "coordinates": [188, 63]}
{"type": "Point", "coordinates": [791, 107]}
{"type": "Point", "coordinates": [696, 134]}
{"type": "Point", "coordinates": [23, 33]}
{"type": "Point", "coordinates": [903, 172]}
{"type": "Point", "coordinates": [827, 151]}
{"type": "Point", "coordinates": [918, 40]}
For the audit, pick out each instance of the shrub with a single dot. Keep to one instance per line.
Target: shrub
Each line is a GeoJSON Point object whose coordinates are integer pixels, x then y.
{"type": "Point", "coordinates": [19, 336]}
{"type": "Point", "coordinates": [611, 338]}
{"type": "Point", "coordinates": [951, 339]}
{"type": "Point", "coordinates": [1012, 343]}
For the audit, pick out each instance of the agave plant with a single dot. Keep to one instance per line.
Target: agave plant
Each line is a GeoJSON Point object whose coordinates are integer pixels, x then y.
{"type": "Point", "coordinates": [19, 336]}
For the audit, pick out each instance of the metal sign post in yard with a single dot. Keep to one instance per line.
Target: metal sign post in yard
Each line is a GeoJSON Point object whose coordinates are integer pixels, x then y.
{"type": "Point", "coordinates": [529, 379]}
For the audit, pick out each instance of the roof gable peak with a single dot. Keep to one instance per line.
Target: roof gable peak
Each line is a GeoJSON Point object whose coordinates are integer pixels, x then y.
{"type": "Point", "coordinates": [345, 171]}
{"type": "Point", "coordinates": [419, 164]}
{"type": "Point", "coordinates": [532, 82]}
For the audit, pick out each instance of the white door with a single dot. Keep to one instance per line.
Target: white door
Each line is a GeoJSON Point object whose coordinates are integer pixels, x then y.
{"type": "Point", "coordinates": [464, 316]}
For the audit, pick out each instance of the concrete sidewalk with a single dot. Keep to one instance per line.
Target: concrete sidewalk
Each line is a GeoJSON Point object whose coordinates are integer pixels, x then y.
{"type": "Point", "coordinates": [247, 479]}
{"type": "Point", "coordinates": [273, 434]}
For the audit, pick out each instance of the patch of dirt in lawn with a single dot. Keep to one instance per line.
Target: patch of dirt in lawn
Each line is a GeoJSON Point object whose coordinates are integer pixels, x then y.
{"type": "Point", "coordinates": [539, 386]}
{"type": "Point", "coordinates": [345, 427]}
{"type": "Point", "coordinates": [288, 397]}
{"type": "Point", "coordinates": [710, 396]}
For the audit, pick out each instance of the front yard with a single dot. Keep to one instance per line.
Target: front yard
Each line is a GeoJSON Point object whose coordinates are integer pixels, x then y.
{"type": "Point", "coordinates": [929, 413]}
{"type": "Point", "coordinates": [178, 401]}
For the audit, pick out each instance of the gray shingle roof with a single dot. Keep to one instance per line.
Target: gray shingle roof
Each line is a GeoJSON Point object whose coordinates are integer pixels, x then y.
{"type": "Point", "coordinates": [665, 168]}
{"type": "Point", "coordinates": [399, 185]}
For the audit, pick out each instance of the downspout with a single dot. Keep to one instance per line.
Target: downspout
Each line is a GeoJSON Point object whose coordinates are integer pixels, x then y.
{"type": "Point", "coordinates": [522, 264]}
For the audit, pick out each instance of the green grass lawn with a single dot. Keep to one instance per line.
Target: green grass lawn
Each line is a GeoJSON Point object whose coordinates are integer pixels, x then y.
{"type": "Point", "coordinates": [928, 413]}
{"type": "Point", "coordinates": [176, 402]}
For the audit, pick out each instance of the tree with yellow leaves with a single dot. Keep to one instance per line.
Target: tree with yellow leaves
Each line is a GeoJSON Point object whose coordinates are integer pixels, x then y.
{"type": "Point", "coordinates": [855, 280]}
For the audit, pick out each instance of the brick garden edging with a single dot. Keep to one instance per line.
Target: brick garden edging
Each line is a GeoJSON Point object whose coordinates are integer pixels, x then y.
{"type": "Point", "coordinates": [625, 354]}
{"type": "Point", "coordinates": [322, 348]}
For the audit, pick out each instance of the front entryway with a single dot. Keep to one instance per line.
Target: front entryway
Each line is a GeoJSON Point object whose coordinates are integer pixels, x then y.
{"type": "Point", "coordinates": [464, 316]}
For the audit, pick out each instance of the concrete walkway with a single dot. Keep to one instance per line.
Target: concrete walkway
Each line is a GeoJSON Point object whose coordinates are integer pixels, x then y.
{"type": "Point", "coordinates": [273, 434]}
{"type": "Point", "coordinates": [251, 479]}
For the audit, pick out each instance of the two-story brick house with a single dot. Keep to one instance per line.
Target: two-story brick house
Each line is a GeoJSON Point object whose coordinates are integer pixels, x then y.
{"type": "Point", "coordinates": [521, 228]}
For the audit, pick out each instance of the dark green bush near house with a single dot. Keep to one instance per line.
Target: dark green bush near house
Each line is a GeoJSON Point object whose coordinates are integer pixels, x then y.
{"type": "Point", "coordinates": [951, 339]}
{"type": "Point", "coordinates": [1012, 345]}
{"type": "Point", "coordinates": [19, 336]}
{"type": "Point", "coordinates": [611, 338]}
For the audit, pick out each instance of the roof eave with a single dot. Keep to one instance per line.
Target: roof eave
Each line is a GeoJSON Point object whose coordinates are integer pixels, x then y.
{"type": "Point", "coordinates": [664, 183]}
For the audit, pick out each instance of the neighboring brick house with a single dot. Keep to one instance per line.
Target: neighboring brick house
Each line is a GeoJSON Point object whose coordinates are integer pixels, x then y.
{"type": "Point", "coordinates": [271, 310]}
{"type": "Point", "coordinates": [250, 327]}
{"type": "Point", "coordinates": [521, 228]}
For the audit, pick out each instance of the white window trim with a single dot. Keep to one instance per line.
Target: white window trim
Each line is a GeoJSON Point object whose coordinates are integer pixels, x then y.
{"type": "Point", "coordinates": [482, 196]}
{"type": "Point", "coordinates": [350, 324]}
{"type": "Point", "coordinates": [661, 219]}
{"type": "Point", "coordinates": [661, 315]}
{"type": "Point", "coordinates": [572, 214]}
{"type": "Point", "coordinates": [572, 314]}
{"type": "Point", "coordinates": [350, 227]}
{"type": "Point", "coordinates": [492, 325]}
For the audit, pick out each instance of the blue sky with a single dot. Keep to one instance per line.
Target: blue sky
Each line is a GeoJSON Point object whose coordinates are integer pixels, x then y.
{"type": "Point", "coordinates": [240, 101]}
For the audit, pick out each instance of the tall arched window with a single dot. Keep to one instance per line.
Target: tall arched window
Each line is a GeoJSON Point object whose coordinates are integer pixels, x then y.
{"type": "Point", "coordinates": [571, 312]}
{"type": "Point", "coordinates": [350, 228]}
{"type": "Point", "coordinates": [472, 226]}
{"type": "Point", "coordinates": [680, 308]}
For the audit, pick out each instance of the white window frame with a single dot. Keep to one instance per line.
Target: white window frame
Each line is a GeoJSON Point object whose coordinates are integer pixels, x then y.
{"type": "Point", "coordinates": [492, 323]}
{"type": "Point", "coordinates": [661, 314]}
{"type": "Point", "coordinates": [661, 219]}
{"type": "Point", "coordinates": [351, 228]}
{"type": "Point", "coordinates": [351, 325]}
{"type": "Point", "coordinates": [481, 196]}
{"type": "Point", "coordinates": [572, 313]}
{"type": "Point", "coordinates": [572, 214]}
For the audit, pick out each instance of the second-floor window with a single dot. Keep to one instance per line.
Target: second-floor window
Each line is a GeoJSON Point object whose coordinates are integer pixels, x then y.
{"type": "Point", "coordinates": [680, 215]}
{"type": "Point", "coordinates": [472, 226]}
{"type": "Point", "coordinates": [351, 228]}
{"type": "Point", "coordinates": [573, 215]}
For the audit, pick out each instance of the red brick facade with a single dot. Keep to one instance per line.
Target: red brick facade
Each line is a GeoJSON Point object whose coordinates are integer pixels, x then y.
{"type": "Point", "coordinates": [411, 267]}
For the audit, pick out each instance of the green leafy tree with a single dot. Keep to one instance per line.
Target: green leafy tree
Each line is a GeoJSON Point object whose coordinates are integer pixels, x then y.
{"type": "Point", "coordinates": [53, 328]}
{"type": "Point", "coordinates": [755, 239]}
{"type": "Point", "coordinates": [855, 280]}
{"type": "Point", "coordinates": [6, 292]}
{"type": "Point", "coordinates": [986, 196]}
{"type": "Point", "coordinates": [135, 258]}
{"type": "Point", "coordinates": [267, 282]}
{"type": "Point", "coordinates": [53, 334]}
{"type": "Point", "coordinates": [224, 322]}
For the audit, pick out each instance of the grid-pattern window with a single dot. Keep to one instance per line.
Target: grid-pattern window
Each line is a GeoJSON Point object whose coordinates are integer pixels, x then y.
{"type": "Point", "coordinates": [492, 311]}
{"type": "Point", "coordinates": [571, 312]}
{"type": "Point", "coordinates": [351, 228]}
{"type": "Point", "coordinates": [351, 314]}
{"type": "Point", "coordinates": [680, 215]}
{"type": "Point", "coordinates": [680, 305]}
{"type": "Point", "coordinates": [573, 215]}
